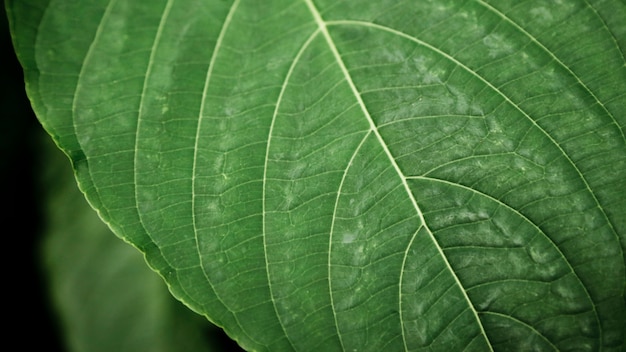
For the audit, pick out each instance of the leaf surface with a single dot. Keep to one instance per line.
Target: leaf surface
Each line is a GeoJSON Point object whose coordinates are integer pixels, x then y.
{"type": "Point", "coordinates": [354, 175]}
{"type": "Point", "coordinates": [105, 296]}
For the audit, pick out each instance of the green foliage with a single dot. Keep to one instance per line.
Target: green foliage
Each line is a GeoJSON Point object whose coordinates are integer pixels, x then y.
{"type": "Point", "coordinates": [354, 175]}
{"type": "Point", "coordinates": [107, 297]}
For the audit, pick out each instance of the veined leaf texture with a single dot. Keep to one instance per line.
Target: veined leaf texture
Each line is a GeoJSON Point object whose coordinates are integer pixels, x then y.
{"type": "Point", "coordinates": [378, 175]}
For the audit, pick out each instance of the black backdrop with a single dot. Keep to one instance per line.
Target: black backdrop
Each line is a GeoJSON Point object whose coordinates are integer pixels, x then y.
{"type": "Point", "coordinates": [29, 321]}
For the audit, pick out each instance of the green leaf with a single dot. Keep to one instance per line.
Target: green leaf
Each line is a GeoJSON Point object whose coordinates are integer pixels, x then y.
{"type": "Point", "coordinates": [354, 175]}
{"type": "Point", "coordinates": [106, 297]}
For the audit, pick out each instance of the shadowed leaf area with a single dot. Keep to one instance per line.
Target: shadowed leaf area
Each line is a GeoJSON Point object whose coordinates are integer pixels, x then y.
{"type": "Point", "coordinates": [322, 175]}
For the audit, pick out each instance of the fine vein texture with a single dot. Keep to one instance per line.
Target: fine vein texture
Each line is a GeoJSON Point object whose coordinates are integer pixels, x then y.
{"type": "Point", "coordinates": [107, 299]}
{"type": "Point", "coordinates": [322, 175]}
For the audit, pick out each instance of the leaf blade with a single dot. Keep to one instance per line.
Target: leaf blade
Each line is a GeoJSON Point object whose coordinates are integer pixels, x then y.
{"type": "Point", "coordinates": [251, 192]}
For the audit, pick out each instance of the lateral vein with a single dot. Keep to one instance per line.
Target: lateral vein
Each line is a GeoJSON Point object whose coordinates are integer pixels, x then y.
{"type": "Point", "coordinates": [322, 25]}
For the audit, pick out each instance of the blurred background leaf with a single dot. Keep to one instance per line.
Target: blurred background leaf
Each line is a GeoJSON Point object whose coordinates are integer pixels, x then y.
{"type": "Point", "coordinates": [107, 297]}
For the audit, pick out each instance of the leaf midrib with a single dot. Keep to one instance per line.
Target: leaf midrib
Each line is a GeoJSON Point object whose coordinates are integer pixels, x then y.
{"type": "Point", "coordinates": [322, 24]}
{"type": "Point", "coordinates": [517, 107]}
{"type": "Point", "coordinates": [374, 129]}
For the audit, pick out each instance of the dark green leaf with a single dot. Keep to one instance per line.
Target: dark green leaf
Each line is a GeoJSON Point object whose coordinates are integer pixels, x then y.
{"type": "Point", "coordinates": [354, 175]}
{"type": "Point", "coordinates": [106, 297]}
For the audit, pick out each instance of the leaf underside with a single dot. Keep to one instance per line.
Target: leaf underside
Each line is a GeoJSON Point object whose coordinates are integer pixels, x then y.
{"type": "Point", "coordinates": [105, 296]}
{"type": "Point", "coordinates": [354, 175]}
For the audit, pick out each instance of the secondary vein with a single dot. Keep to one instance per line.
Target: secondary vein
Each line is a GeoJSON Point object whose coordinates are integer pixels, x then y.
{"type": "Point", "coordinates": [322, 25]}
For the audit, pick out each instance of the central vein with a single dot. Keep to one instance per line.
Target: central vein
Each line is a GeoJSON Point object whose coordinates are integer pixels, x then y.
{"type": "Point", "coordinates": [324, 30]}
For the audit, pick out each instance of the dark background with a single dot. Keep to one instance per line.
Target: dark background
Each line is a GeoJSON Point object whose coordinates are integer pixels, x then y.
{"type": "Point", "coordinates": [31, 322]}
